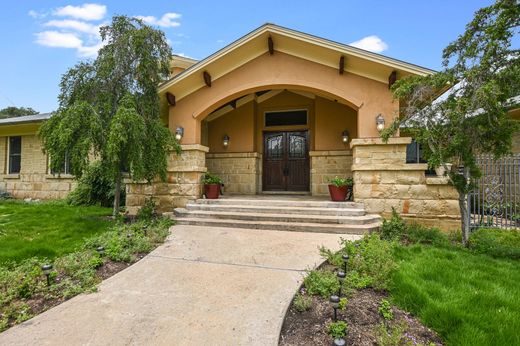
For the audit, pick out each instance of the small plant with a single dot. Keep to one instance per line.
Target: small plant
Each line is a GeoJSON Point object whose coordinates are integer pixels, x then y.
{"type": "Point", "coordinates": [343, 303]}
{"type": "Point", "coordinates": [341, 182]}
{"type": "Point", "coordinates": [148, 211]}
{"type": "Point", "coordinates": [302, 303]}
{"type": "Point", "coordinates": [385, 309]}
{"type": "Point", "coordinates": [211, 179]}
{"type": "Point", "coordinates": [394, 228]}
{"type": "Point", "coordinates": [332, 257]}
{"type": "Point", "coordinates": [321, 282]}
{"type": "Point", "coordinates": [338, 329]}
{"type": "Point", "coordinates": [392, 336]}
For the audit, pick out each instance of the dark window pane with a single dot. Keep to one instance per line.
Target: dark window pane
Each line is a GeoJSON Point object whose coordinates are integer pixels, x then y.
{"type": "Point", "coordinates": [296, 147]}
{"type": "Point", "coordinates": [412, 152]}
{"type": "Point", "coordinates": [274, 147]}
{"type": "Point", "coordinates": [286, 118]}
{"type": "Point", "coordinates": [15, 154]}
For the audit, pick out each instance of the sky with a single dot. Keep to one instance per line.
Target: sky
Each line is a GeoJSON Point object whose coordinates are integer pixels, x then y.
{"type": "Point", "coordinates": [40, 39]}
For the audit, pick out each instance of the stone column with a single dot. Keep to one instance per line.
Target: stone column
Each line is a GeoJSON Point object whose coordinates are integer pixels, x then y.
{"type": "Point", "coordinates": [383, 180]}
{"type": "Point", "coordinates": [183, 182]}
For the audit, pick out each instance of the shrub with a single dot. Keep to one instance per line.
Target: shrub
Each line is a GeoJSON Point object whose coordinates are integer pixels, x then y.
{"type": "Point", "coordinates": [321, 282]}
{"type": "Point", "coordinates": [496, 242]}
{"type": "Point", "coordinates": [393, 228]}
{"type": "Point", "coordinates": [343, 303]}
{"type": "Point", "coordinates": [210, 179]}
{"type": "Point", "coordinates": [95, 187]}
{"type": "Point", "coordinates": [338, 329]}
{"type": "Point", "coordinates": [385, 309]}
{"type": "Point", "coordinates": [148, 211]}
{"type": "Point", "coordinates": [339, 182]}
{"type": "Point", "coordinates": [332, 257]}
{"type": "Point", "coordinates": [425, 235]}
{"type": "Point", "coordinates": [302, 303]}
{"type": "Point", "coordinates": [371, 262]}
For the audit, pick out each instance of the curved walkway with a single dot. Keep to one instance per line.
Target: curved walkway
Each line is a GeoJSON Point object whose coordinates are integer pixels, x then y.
{"type": "Point", "coordinates": [204, 286]}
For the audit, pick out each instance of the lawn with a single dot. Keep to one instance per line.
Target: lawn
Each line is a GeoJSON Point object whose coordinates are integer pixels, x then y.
{"type": "Point", "coordinates": [468, 298]}
{"type": "Point", "coordinates": [46, 229]}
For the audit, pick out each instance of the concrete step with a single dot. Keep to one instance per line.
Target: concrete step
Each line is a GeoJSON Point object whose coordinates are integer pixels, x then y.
{"type": "Point", "coordinates": [278, 202]}
{"type": "Point", "coordinates": [298, 218]}
{"type": "Point", "coordinates": [281, 226]}
{"type": "Point", "coordinates": [269, 209]}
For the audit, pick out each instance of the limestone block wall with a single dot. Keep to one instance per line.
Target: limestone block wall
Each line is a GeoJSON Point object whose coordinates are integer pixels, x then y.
{"type": "Point", "coordinates": [383, 180]}
{"type": "Point", "coordinates": [34, 180]}
{"type": "Point", "coordinates": [183, 183]}
{"type": "Point", "coordinates": [326, 165]}
{"type": "Point", "coordinates": [240, 172]}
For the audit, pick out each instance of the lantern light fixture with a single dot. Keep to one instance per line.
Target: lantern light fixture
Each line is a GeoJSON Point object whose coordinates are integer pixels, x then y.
{"type": "Point", "coordinates": [345, 136]}
{"type": "Point", "coordinates": [339, 342]}
{"type": "Point", "coordinates": [334, 301]}
{"type": "Point", "coordinates": [46, 269]}
{"type": "Point", "coordinates": [380, 122]}
{"type": "Point", "coordinates": [345, 257]}
{"type": "Point", "coordinates": [179, 133]}
{"type": "Point", "coordinates": [100, 250]}
{"type": "Point", "coordinates": [225, 140]}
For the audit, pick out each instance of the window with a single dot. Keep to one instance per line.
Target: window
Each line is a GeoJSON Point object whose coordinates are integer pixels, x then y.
{"type": "Point", "coordinates": [15, 154]}
{"type": "Point", "coordinates": [286, 118]}
{"type": "Point", "coordinates": [66, 166]}
{"type": "Point", "coordinates": [414, 154]}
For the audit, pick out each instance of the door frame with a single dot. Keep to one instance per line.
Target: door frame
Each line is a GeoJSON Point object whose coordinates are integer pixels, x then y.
{"type": "Point", "coordinates": [307, 158]}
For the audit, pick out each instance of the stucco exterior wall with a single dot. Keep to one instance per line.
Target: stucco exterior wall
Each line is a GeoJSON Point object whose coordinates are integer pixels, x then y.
{"type": "Point", "coordinates": [241, 173]}
{"type": "Point", "coordinates": [34, 180]}
{"type": "Point", "coordinates": [382, 181]}
{"type": "Point", "coordinates": [239, 125]}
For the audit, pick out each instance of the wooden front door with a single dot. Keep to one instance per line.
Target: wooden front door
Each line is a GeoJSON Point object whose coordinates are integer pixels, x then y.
{"type": "Point", "coordinates": [286, 161]}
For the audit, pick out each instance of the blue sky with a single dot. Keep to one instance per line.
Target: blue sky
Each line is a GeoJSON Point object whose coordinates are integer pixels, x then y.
{"type": "Point", "coordinates": [40, 40]}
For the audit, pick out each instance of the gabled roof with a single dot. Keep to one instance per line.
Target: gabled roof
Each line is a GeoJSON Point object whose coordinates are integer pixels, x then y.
{"type": "Point", "coordinates": [310, 47]}
{"type": "Point", "coordinates": [25, 119]}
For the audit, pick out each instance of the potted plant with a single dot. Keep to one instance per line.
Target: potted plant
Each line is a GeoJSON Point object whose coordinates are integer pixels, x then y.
{"type": "Point", "coordinates": [339, 188]}
{"type": "Point", "coordinates": [212, 185]}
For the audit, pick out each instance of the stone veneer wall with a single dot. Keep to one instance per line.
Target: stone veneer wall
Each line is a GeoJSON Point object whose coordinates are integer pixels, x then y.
{"type": "Point", "coordinates": [240, 172]}
{"type": "Point", "coordinates": [326, 165]}
{"type": "Point", "coordinates": [183, 183]}
{"type": "Point", "coordinates": [383, 180]}
{"type": "Point", "coordinates": [33, 181]}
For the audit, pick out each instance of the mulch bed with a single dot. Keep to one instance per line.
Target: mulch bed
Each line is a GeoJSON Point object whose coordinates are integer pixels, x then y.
{"type": "Point", "coordinates": [362, 317]}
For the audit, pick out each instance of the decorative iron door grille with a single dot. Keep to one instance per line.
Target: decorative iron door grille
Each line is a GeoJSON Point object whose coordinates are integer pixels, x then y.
{"type": "Point", "coordinates": [495, 201]}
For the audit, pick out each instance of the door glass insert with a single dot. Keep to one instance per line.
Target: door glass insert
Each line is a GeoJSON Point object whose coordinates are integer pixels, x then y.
{"type": "Point", "coordinates": [274, 147]}
{"type": "Point", "coordinates": [296, 147]}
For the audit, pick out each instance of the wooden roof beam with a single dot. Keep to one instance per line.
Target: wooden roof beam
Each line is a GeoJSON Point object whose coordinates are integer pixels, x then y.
{"type": "Point", "coordinates": [207, 78]}
{"type": "Point", "coordinates": [392, 78]}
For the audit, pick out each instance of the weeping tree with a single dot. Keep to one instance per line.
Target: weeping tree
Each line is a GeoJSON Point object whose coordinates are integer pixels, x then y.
{"type": "Point", "coordinates": [477, 85]}
{"type": "Point", "coordinates": [109, 108]}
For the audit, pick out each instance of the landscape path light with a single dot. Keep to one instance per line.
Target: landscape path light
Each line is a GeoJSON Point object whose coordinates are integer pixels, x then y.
{"type": "Point", "coordinates": [344, 257]}
{"type": "Point", "coordinates": [100, 250]}
{"type": "Point", "coordinates": [334, 301]}
{"type": "Point", "coordinates": [46, 269]}
{"type": "Point", "coordinates": [341, 277]}
{"type": "Point", "coordinates": [339, 342]}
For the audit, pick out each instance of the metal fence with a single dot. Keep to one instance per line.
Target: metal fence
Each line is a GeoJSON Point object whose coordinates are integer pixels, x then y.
{"type": "Point", "coordinates": [495, 202]}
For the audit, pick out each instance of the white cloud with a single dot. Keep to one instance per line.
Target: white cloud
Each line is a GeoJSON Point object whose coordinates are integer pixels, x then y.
{"type": "Point", "coordinates": [90, 51]}
{"type": "Point", "coordinates": [166, 21]}
{"type": "Point", "coordinates": [85, 11]}
{"type": "Point", "coordinates": [74, 25]}
{"type": "Point", "coordinates": [371, 43]}
{"type": "Point", "coordinates": [58, 39]}
{"type": "Point", "coordinates": [36, 14]}
{"type": "Point", "coordinates": [220, 41]}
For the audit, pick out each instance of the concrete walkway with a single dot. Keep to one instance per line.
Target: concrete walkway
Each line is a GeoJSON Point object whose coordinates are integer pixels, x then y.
{"type": "Point", "coordinates": [204, 286]}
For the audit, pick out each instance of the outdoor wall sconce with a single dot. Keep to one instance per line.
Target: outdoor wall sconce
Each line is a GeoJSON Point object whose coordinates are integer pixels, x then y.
{"type": "Point", "coordinates": [344, 136]}
{"type": "Point", "coordinates": [225, 140]}
{"type": "Point", "coordinates": [179, 133]}
{"type": "Point", "coordinates": [334, 301]}
{"type": "Point", "coordinates": [380, 122]}
{"type": "Point", "coordinates": [46, 269]}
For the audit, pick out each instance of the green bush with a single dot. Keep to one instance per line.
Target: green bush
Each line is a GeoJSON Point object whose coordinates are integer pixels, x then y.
{"type": "Point", "coordinates": [332, 257]}
{"type": "Point", "coordinates": [338, 329]}
{"type": "Point", "coordinates": [210, 179]}
{"type": "Point", "coordinates": [385, 309]}
{"type": "Point", "coordinates": [394, 228]}
{"type": "Point", "coordinates": [321, 282]}
{"type": "Point", "coordinates": [371, 262]}
{"type": "Point", "coordinates": [148, 211]}
{"type": "Point", "coordinates": [496, 242]}
{"type": "Point", "coordinates": [302, 303]}
{"type": "Point", "coordinates": [95, 187]}
{"type": "Point", "coordinates": [418, 234]}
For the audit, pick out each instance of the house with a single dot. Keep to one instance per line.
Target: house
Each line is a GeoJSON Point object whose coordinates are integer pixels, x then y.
{"type": "Point", "coordinates": [276, 112]}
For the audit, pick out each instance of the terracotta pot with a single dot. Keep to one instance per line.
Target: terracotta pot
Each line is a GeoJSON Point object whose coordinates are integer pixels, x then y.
{"type": "Point", "coordinates": [212, 191]}
{"type": "Point", "coordinates": [338, 193]}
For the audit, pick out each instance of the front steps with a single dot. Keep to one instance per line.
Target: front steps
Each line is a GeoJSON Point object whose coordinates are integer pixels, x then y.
{"type": "Point", "coordinates": [279, 213]}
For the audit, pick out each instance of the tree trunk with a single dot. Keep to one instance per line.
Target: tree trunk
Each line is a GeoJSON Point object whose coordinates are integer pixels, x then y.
{"type": "Point", "coordinates": [117, 195]}
{"type": "Point", "coordinates": [463, 206]}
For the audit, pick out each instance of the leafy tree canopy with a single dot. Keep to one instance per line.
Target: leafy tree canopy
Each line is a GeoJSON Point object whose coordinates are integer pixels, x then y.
{"type": "Point", "coordinates": [11, 112]}
{"type": "Point", "coordinates": [481, 73]}
{"type": "Point", "coordinates": [109, 107]}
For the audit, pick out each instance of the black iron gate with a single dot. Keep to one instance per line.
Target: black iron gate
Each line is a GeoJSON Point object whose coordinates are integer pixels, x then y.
{"type": "Point", "coordinates": [495, 202]}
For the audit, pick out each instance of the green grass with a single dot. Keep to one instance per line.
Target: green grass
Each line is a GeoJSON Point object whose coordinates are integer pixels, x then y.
{"type": "Point", "coordinates": [468, 298]}
{"type": "Point", "coordinates": [47, 229]}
